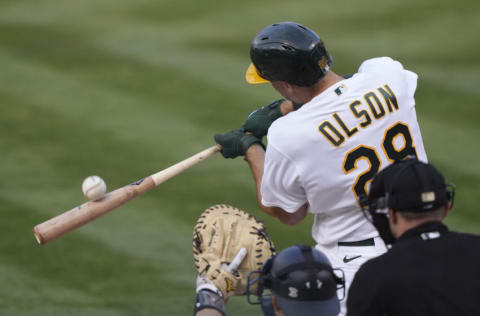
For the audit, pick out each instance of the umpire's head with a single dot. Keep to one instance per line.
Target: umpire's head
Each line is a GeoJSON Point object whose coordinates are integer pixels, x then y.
{"type": "Point", "coordinates": [406, 194]}
{"type": "Point", "coordinates": [301, 282]}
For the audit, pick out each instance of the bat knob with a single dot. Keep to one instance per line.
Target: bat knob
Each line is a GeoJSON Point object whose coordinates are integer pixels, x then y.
{"type": "Point", "coordinates": [38, 236]}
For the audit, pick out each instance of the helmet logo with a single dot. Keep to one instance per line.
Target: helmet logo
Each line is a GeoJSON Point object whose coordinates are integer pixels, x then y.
{"type": "Point", "coordinates": [319, 284]}
{"type": "Point", "coordinates": [323, 63]}
{"type": "Point", "coordinates": [293, 292]}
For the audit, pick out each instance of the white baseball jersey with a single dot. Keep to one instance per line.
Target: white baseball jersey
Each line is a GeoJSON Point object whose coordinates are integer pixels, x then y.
{"type": "Point", "coordinates": [327, 152]}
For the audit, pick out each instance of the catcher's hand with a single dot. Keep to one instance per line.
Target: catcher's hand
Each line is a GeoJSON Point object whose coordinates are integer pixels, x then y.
{"type": "Point", "coordinates": [227, 273]}
{"type": "Point", "coordinates": [218, 238]}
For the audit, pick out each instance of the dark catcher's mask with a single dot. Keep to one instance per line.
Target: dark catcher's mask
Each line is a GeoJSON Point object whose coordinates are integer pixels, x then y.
{"type": "Point", "coordinates": [302, 280]}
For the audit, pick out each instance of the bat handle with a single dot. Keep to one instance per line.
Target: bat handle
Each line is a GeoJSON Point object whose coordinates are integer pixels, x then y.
{"type": "Point", "coordinates": [177, 168]}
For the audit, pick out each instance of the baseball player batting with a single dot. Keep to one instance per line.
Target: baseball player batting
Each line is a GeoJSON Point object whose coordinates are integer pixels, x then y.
{"type": "Point", "coordinates": [322, 155]}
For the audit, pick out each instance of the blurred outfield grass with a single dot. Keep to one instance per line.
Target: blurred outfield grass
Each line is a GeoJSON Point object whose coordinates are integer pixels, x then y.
{"type": "Point", "coordinates": [123, 89]}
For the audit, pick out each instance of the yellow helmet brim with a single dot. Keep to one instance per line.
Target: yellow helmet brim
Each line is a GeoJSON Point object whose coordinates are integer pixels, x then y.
{"type": "Point", "coordinates": [253, 77]}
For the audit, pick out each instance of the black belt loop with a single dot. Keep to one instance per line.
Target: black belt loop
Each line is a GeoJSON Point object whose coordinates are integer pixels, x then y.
{"type": "Point", "coordinates": [360, 243]}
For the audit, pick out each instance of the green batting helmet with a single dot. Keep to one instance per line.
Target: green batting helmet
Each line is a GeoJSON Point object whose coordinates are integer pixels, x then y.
{"type": "Point", "coordinates": [288, 52]}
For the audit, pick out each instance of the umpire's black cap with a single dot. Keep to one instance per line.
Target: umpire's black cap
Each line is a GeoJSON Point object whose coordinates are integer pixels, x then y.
{"type": "Point", "coordinates": [410, 186]}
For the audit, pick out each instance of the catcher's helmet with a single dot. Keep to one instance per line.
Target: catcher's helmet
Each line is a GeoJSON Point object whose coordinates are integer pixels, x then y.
{"type": "Point", "coordinates": [302, 280]}
{"type": "Point", "coordinates": [288, 52]}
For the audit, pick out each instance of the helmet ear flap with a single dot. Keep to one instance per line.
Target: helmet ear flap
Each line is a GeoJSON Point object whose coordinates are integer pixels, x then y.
{"type": "Point", "coordinates": [267, 273]}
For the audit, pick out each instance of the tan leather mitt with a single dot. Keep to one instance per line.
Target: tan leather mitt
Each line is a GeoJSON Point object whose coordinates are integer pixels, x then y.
{"type": "Point", "coordinates": [219, 234]}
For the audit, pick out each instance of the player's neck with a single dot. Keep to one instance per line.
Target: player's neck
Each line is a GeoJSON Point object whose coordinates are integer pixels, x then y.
{"type": "Point", "coordinates": [304, 95]}
{"type": "Point", "coordinates": [327, 81]}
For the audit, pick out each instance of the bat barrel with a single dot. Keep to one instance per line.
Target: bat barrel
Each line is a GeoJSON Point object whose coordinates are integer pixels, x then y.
{"type": "Point", "coordinates": [71, 220]}
{"type": "Point", "coordinates": [89, 211]}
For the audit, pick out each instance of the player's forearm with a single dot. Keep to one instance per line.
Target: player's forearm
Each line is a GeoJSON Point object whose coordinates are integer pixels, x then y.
{"type": "Point", "coordinates": [255, 156]}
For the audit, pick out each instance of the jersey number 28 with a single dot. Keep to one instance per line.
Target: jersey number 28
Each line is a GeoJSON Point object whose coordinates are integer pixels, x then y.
{"type": "Point", "coordinates": [371, 156]}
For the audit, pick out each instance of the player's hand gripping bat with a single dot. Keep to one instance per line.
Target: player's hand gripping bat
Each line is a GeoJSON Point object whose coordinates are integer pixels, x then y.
{"type": "Point", "coordinates": [89, 211]}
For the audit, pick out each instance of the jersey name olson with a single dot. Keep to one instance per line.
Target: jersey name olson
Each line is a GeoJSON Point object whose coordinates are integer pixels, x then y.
{"type": "Point", "coordinates": [379, 102]}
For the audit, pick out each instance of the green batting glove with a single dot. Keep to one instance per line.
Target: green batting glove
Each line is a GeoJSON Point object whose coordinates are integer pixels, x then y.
{"type": "Point", "coordinates": [235, 143]}
{"type": "Point", "coordinates": [260, 120]}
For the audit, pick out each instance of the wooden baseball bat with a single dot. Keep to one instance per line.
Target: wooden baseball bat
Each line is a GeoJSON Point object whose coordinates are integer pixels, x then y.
{"type": "Point", "coordinates": [91, 210]}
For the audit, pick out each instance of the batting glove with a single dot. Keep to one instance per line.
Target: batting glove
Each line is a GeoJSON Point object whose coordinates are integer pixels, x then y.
{"type": "Point", "coordinates": [236, 143]}
{"type": "Point", "coordinates": [259, 121]}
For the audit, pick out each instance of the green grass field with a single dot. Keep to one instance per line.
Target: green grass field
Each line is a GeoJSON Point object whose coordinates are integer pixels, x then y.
{"type": "Point", "coordinates": [123, 89]}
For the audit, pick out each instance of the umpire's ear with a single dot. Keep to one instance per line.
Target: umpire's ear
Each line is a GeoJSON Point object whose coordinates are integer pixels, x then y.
{"type": "Point", "coordinates": [392, 215]}
{"type": "Point", "coordinates": [448, 207]}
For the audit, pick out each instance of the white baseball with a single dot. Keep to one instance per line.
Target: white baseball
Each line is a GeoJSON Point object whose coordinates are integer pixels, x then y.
{"type": "Point", "coordinates": [94, 188]}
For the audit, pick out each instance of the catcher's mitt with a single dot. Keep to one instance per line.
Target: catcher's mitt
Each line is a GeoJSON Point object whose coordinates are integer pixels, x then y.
{"type": "Point", "coordinates": [219, 234]}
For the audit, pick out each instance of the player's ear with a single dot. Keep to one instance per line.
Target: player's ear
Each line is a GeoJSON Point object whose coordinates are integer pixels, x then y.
{"type": "Point", "coordinates": [280, 86]}
{"type": "Point", "coordinates": [291, 88]}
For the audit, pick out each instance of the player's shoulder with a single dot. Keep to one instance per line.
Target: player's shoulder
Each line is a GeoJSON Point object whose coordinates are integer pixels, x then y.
{"type": "Point", "coordinates": [380, 64]}
{"type": "Point", "coordinates": [386, 68]}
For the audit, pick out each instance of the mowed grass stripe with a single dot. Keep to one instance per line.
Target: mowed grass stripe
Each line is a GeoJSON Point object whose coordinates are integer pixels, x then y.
{"type": "Point", "coordinates": [153, 83]}
{"type": "Point", "coordinates": [59, 265]}
{"type": "Point", "coordinates": [83, 273]}
{"type": "Point", "coordinates": [454, 152]}
{"type": "Point", "coordinates": [101, 108]}
{"type": "Point", "coordinates": [84, 276]}
{"type": "Point", "coordinates": [113, 89]}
